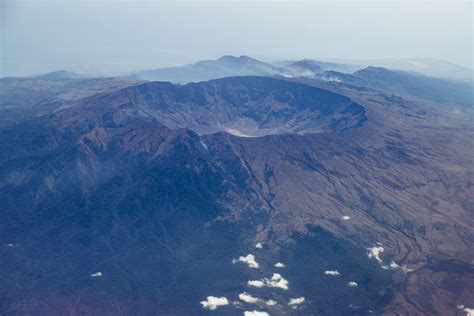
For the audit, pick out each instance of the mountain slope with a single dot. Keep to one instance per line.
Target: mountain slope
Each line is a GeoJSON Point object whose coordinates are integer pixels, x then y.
{"type": "Point", "coordinates": [106, 210]}
{"type": "Point", "coordinates": [413, 84]}
{"type": "Point", "coordinates": [404, 83]}
{"type": "Point", "coordinates": [24, 98]}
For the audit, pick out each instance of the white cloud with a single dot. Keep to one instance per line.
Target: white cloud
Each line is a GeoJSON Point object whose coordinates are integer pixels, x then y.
{"type": "Point", "coordinates": [331, 79]}
{"type": "Point", "coordinates": [248, 298]}
{"type": "Point", "coordinates": [394, 265]}
{"type": "Point", "coordinates": [97, 274]}
{"type": "Point", "coordinates": [345, 218]}
{"type": "Point", "coordinates": [255, 313]}
{"type": "Point", "coordinates": [249, 260]}
{"type": "Point", "coordinates": [296, 301]}
{"type": "Point", "coordinates": [469, 311]}
{"type": "Point", "coordinates": [259, 245]}
{"type": "Point", "coordinates": [256, 283]}
{"type": "Point", "coordinates": [271, 303]}
{"type": "Point", "coordinates": [279, 265]}
{"type": "Point", "coordinates": [277, 281]}
{"type": "Point", "coordinates": [10, 245]}
{"type": "Point", "coordinates": [406, 269]}
{"type": "Point", "coordinates": [352, 284]}
{"type": "Point", "coordinates": [375, 252]}
{"type": "Point", "coordinates": [213, 302]}
{"type": "Point", "coordinates": [332, 272]}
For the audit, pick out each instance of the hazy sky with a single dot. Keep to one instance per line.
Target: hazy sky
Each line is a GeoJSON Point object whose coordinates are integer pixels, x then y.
{"type": "Point", "coordinates": [39, 36]}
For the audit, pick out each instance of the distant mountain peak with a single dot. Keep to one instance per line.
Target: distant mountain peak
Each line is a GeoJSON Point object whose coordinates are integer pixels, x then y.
{"type": "Point", "coordinates": [304, 61]}
{"type": "Point", "coordinates": [376, 70]}
{"type": "Point", "coordinates": [245, 57]}
{"type": "Point", "coordinates": [232, 57]}
{"type": "Point", "coordinates": [307, 63]}
{"type": "Point", "coordinates": [239, 59]}
{"type": "Point", "coordinates": [379, 71]}
{"type": "Point", "coordinates": [373, 69]}
{"type": "Point", "coordinates": [227, 57]}
{"type": "Point", "coordinates": [58, 75]}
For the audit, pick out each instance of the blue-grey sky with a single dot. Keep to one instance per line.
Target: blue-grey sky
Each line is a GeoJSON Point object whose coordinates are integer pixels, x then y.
{"type": "Point", "coordinates": [39, 36]}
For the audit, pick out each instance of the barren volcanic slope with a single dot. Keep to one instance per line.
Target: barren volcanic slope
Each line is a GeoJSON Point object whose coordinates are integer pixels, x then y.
{"type": "Point", "coordinates": [21, 98]}
{"type": "Point", "coordinates": [126, 203]}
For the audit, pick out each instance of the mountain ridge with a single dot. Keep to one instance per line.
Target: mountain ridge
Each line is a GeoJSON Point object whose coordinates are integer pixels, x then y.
{"type": "Point", "coordinates": [250, 105]}
{"type": "Point", "coordinates": [229, 65]}
{"type": "Point", "coordinates": [407, 83]}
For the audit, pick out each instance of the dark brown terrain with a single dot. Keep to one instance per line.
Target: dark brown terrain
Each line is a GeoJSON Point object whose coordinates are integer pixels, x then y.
{"type": "Point", "coordinates": [154, 185]}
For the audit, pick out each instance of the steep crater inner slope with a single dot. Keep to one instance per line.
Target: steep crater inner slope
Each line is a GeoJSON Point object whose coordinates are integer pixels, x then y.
{"type": "Point", "coordinates": [244, 106]}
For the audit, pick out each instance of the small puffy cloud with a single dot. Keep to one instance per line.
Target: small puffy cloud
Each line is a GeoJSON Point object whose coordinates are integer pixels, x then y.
{"type": "Point", "coordinates": [97, 274]}
{"type": "Point", "coordinates": [213, 302]}
{"type": "Point", "coordinates": [247, 298]}
{"type": "Point", "coordinates": [375, 252]}
{"type": "Point", "coordinates": [255, 313]}
{"type": "Point", "coordinates": [469, 311]}
{"type": "Point", "coordinates": [277, 281]}
{"type": "Point", "coordinates": [345, 218]}
{"type": "Point", "coordinates": [10, 245]}
{"type": "Point", "coordinates": [271, 303]}
{"type": "Point", "coordinates": [279, 265]}
{"type": "Point", "coordinates": [352, 284]}
{"type": "Point", "coordinates": [249, 260]}
{"type": "Point", "coordinates": [256, 283]}
{"type": "Point", "coordinates": [259, 245]}
{"type": "Point", "coordinates": [296, 301]}
{"type": "Point", "coordinates": [331, 79]}
{"type": "Point", "coordinates": [332, 272]}
{"type": "Point", "coordinates": [394, 265]}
